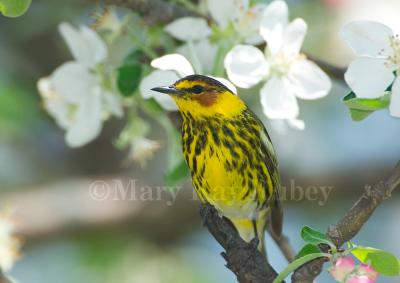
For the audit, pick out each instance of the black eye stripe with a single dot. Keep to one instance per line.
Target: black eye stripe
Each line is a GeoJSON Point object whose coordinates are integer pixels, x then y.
{"type": "Point", "coordinates": [197, 89]}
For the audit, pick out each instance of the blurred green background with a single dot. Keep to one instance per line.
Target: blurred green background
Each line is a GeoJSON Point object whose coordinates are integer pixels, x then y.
{"type": "Point", "coordinates": [71, 237]}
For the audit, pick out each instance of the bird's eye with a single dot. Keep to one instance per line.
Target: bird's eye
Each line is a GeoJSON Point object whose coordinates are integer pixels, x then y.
{"type": "Point", "coordinates": [197, 89]}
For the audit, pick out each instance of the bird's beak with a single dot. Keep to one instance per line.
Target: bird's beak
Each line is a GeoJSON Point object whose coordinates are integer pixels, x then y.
{"type": "Point", "coordinates": [171, 90]}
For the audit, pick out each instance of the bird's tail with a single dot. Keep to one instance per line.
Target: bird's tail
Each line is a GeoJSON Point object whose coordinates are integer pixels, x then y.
{"type": "Point", "coordinates": [248, 229]}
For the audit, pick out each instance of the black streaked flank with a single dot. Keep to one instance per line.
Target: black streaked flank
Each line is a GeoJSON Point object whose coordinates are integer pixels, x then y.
{"type": "Point", "coordinates": [256, 166]}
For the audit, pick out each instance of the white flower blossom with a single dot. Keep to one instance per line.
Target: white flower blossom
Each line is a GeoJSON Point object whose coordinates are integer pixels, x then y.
{"type": "Point", "coordinates": [378, 63]}
{"type": "Point", "coordinates": [287, 72]}
{"type": "Point", "coordinates": [226, 13]}
{"type": "Point", "coordinates": [243, 17]}
{"type": "Point", "coordinates": [189, 28]}
{"type": "Point", "coordinates": [142, 149]}
{"type": "Point", "coordinates": [171, 67]}
{"type": "Point", "coordinates": [108, 20]}
{"type": "Point", "coordinates": [73, 94]}
{"type": "Point", "coordinates": [9, 245]}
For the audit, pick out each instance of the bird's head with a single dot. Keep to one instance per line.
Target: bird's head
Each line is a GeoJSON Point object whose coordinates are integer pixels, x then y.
{"type": "Point", "coordinates": [203, 96]}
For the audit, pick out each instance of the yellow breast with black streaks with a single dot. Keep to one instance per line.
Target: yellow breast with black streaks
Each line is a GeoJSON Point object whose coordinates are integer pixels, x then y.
{"type": "Point", "coordinates": [229, 162]}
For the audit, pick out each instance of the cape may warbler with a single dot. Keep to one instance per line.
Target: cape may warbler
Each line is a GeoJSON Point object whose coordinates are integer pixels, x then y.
{"type": "Point", "coordinates": [229, 154]}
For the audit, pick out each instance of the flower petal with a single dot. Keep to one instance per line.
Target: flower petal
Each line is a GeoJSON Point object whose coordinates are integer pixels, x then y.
{"type": "Point", "coordinates": [297, 124]}
{"type": "Point", "coordinates": [394, 107]}
{"type": "Point", "coordinates": [273, 24]}
{"type": "Point", "coordinates": [113, 104]}
{"type": "Point", "coordinates": [54, 104]}
{"type": "Point", "coordinates": [246, 66]}
{"type": "Point", "coordinates": [205, 51]}
{"type": "Point", "coordinates": [368, 77]}
{"type": "Point", "coordinates": [294, 36]}
{"type": "Point", "coordinates": [96, 45]}
{"type": "Point", "coordinates": [359, 279]}
{"type": "Point", "coordinates": [368, 38]}
{"type": "Point", "coordinates": [224, 11]}
{"type": "Point", "coordinates": [342, 268]}
{"type": "Point", "coordinates": [248, 24]}
{"type": "Point", "coordinates": [278, 99]}
{"type": "Point", "coordinates": [173, 62]}
{"type": "Point", "coordinates": [85, 45]}
{"type": "Point", "coordinates": [72, 81]}
{"type": "Point", "coordinates": [308, 80]}
{"type": "Point", "coordinates": [369, 271]}
{"type": "Point", "coordinates": [142, 149]}
{"type": "Point", "coordinates": [88, 121]}
{"type": "Point", "coordinates": [189, 28]}
{"type": "Point", "coordinates": [159, 78]}
{"type": "Point", "coordinates": [226, 83]}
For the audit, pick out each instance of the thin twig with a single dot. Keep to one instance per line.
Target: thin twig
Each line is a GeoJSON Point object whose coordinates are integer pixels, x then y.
{"type": "Point", "coordinates": [351, 223]}
{"type": "Point", "coordinates": [333, 71]}
{"type": "Point", "coordinates": [284, 245]}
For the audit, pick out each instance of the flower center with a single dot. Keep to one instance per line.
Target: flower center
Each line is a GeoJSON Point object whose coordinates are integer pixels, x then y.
{"type": "Point", "coordinates": [394, 42]}
{"type": "Point", "coordinates": [281, 62]}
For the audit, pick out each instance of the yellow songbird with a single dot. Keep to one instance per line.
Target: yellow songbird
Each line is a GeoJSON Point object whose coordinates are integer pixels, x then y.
{"type": "Point", "coordinates": [229, 154]}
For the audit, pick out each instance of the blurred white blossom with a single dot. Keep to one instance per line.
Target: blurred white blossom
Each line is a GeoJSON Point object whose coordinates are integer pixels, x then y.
{"type": "Point", "coordinates": [287, 72]}
{"type": "Point", "coordinates": [171, 67]}
{"type": "Point", "coordinates": [378, 63]}
{"type": "Point", "coordinates": [189, 28]}
{"type": "Point", "coordinates": [238, 13]}
{"type": "Point", "coordinates": [74, 94]}
{"type": "Point", "coordinates": [9, 245]}
{"type": "Point", "coordinates": [244, 18]}
{"type": "Point", "coordinates": [108, 20]}
{"type": "Point", "coordinates": [134, 137]}
{"type": "Point", "coordinates": [195, 31]}
{"type": "Point", "coordinates": [142, 149]}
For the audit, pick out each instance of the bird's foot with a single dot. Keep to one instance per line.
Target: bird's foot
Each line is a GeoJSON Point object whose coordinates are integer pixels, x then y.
{"type": "Point", "coordinates": [206, 210]}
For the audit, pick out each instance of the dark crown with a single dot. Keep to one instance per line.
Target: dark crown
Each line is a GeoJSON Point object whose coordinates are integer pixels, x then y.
{"type": "Point", "coordinates": [208, 80]}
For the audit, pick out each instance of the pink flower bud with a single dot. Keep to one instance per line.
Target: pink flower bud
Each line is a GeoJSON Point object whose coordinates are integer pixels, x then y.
{"type": "Point", "coordinates": [369, 271]}
{"type": "Point", "coordinates": [343, 267]}
{"type": "Point", "coordinates": [360, 279]}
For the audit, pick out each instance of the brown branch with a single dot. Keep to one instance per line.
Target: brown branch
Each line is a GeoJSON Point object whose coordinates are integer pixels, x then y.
{"type": "Point", "coordinates": [37, 213]}
{"type": "Point", "coordinates": [153, 11]}
{"type": "Point", "coordinates": [3, 278]}
{"type": "Point", "coordinates": [243, 259]}
{"type": "Point", "coordinates": [332, 70]}
{"type": "Point", "coordinates": [284, 245]}
{"type": "Point", "coordinates": [351, 223]}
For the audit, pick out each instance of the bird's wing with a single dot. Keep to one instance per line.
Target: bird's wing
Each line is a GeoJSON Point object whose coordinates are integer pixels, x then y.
{"type": "Point", "coordinates": [276, 206]}
{"type": "Point", "coordinates": [272, 164]}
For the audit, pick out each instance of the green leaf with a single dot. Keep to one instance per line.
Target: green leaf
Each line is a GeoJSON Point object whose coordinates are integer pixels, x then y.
{"type": "Point", "coordinates": [128, 79]}
{"type": "Point", "coordinates": [297, 263]}
{"type": "Point", "coordinates": [308, 249]}
{"type": "Point", "coordinates": [359, 115]}
{"type": "Point", "coordinates": [134, 57]}
{"type": "Point", "coordinates": [369, 104]}
{"type": "Point", "coordinates": [383, 262]}
{"type": "Point", "coordinates": [19, 113]}
{"type": "Point", "coordinates": [315, 237]}
{"type": "Point", "coordinates": [177, 174]}
{"type": "Point", "coordinates": [361, 108]}
{"type": "Point", "coordinates": [152, 106]}
{"type": "Point", "coordinates": [14, 8]}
